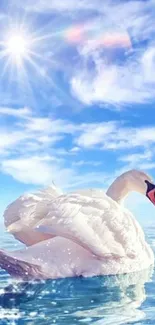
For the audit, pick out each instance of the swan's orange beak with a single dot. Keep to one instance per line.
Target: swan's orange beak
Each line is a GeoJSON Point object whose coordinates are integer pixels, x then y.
{"type": "Point", "coordinates": [151, 195]}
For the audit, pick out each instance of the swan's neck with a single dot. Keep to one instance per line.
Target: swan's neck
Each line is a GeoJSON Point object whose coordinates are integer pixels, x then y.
{"type": "Point", "coordinates": [124, 184]}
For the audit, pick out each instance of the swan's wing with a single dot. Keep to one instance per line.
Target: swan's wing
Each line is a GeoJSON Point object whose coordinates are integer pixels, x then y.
{"type": "Point", "coordinates": [53, 258]}
{"type": "Point", "coordinates": [30, 206]}
{"type": "Point", "coordinates": [98, 224]}
{"type": "Point", "coordinates": [27, 210]}
{"type": "Point", "coordinates": [19, 268]}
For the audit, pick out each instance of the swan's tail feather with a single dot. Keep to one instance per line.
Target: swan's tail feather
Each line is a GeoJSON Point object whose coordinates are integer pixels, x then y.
{"type": "Point", "coordinates": [18, 268]}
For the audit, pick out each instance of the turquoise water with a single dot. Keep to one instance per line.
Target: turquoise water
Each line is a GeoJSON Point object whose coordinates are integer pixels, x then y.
{"type": "Point", "coordinates": [126, 299]}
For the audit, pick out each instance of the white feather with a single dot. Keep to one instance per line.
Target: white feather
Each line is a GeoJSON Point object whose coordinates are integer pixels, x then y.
{"type": "Point", "coordinates": [21, 216]}
{"type": "Point", "coordinates": [96, 223]}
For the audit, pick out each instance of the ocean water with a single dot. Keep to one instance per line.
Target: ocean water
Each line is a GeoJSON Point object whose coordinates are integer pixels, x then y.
{"type": "Point", "coordinates": [107, 300]}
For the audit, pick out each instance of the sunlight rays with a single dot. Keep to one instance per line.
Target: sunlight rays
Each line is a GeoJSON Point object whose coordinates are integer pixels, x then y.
{"type": "Point", "coordinates": [19, 46]}
{"type": "Point", "coordinates": [30, 55]}
{"type": "Point", "coordinates": [23, 52]}
{"type": "Point", "coordinates": [16, 46]}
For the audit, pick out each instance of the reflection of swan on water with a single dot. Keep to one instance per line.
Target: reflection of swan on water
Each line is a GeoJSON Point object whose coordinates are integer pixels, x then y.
{"type": "Point", "coordinates": [83, 233]}
{"type": "Point", "coordinates": [120, 299]}
{"type": "Point", "coordinates": [108, 299]}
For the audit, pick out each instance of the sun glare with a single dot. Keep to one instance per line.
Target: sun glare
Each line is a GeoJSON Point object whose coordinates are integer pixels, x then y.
{"type": "Point", "coordinates": [17, 46]}
{"type": "Point", "coordinates": [20, 51]}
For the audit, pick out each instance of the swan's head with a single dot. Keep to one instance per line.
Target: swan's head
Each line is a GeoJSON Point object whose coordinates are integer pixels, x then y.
{"type": "Point", "coordinates": [144, 184]}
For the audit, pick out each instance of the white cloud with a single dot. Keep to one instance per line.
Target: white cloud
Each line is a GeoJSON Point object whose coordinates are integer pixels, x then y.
{"type": "Point", "coordinates": [36, 170]}
{"type": "Point", "coordinates": [117, 10]}
{"type": "Point", "coordinates": [10, 139]}
{"type": "Point", "coordinates": [114, 136]}
{"type": "Point", "coordinates": [35, 149]}
{"type": "Point", "coordinates": [44, 170]}
{"type": "Point", "coordinates": [49, 125]}
{"type": "Point", "coordinates": [114, 84]}
{"type": "Point", "coordinates": [137, 157]}
{"type": "Point", "coordinates": [65, 6]}
{"type": "Point", "coordinates": [20, 112]}
{"type": "Point", "coordinates": [142, 160]}
{"type": "Point", "coordinates": [147, 165]}
{"type": "Point", "coordinates": [148, 62]}
{"type": "Point", "coordinates": [106, 80]}
{"type": "Point", "coordinates": [75, 150]}
{"type": "Point", "coordinates": [31, 151]}
{"type": "Point", "coordinates": [94, 134]}
{"type": "Point", "coordinates": [133, 137]}
{"type": "Point", "coordinates": [86, 163]}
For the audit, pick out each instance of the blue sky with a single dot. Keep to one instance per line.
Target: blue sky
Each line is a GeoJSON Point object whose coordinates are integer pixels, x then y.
{"type": "Point", "coordinates": [77, 108]}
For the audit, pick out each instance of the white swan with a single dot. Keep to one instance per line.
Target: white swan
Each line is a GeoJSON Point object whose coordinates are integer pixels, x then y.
{"type": "Point", "coordinates": [94, 234]}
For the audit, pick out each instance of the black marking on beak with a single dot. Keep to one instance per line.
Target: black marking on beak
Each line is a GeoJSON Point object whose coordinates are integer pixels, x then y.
{"type": "Point", "coordinates": [150, 187]}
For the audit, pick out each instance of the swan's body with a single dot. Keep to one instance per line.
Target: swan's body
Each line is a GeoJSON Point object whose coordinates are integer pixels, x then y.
{"type": "Point", "coordinates": [93, 233]}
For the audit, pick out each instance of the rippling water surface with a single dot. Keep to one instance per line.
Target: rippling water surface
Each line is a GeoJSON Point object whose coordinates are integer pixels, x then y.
{"type": "Point", "coordinates": [125, 299]}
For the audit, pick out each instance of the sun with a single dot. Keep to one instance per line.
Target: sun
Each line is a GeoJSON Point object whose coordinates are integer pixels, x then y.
{"type": "Point", "coordinates": [21, 51]}
{"type": "Point", "coordinates": [17, 46]}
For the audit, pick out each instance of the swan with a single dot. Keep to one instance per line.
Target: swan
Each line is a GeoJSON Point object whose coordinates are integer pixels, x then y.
{"type": "Point", "coordinates": [83, 233]}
